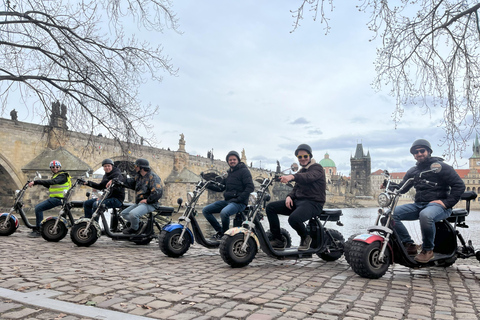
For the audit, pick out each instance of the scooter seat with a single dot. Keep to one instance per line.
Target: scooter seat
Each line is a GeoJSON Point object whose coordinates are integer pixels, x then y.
{"type": "Point", "coordinates": [76, 204]}
{"type": "Point", "coordinates": [330, 215]}
{"type": "Point", "coordinates": [165, 211]}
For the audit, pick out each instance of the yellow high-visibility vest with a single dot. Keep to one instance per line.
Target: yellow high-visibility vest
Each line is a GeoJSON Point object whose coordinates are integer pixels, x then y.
{"type": "Point", "coordinates": [56, 190]}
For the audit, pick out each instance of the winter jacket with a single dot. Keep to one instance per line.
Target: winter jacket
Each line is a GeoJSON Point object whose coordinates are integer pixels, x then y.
{"type": "Point", "coordinates": [310, 183]}
{"type": "Point", "coordinates": [60, 181]}
{"type": "Point", "coordinates": [118, 192]}
{"type": "Point", "coordinates": [237, 185]}
{"type": "Point", "coordinates": [147, 187]}
{"type": "Point", "coordinates": [449, 186]}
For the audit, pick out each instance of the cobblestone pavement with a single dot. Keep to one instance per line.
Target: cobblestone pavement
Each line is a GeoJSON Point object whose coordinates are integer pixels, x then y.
{"type": "Point", "coordinates": [119, 280]}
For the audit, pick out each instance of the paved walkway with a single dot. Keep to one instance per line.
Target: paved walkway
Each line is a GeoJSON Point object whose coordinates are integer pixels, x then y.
{"type": "Point", "coordinates": [119, 280]}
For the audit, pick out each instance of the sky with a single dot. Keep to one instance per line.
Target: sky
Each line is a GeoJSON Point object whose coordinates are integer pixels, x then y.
{"type": "Point", "coordinates": [246, 82]}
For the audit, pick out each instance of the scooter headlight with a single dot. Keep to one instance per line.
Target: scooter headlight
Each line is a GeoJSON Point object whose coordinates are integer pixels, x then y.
{"type": "Point", "coordinates": [190, 196]}
{"type": "Point", "coordinates": [252, 199]}
{"type": "Point", "coordinates": [384, 199]}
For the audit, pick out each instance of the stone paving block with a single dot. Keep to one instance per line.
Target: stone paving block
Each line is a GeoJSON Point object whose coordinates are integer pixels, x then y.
{"type": "Point", "coordinates": [162, 314]}
{"type": "Point", "coordinates": [20, 314]}
{"type": "Point", "coordinates": [5, 306]}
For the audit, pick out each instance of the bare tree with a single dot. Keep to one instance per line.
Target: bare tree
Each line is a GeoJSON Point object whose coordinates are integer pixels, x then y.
{"type": "Point", "coordinates": [78, 52]}
{"type": "Point", "coordinates": [429, 57]}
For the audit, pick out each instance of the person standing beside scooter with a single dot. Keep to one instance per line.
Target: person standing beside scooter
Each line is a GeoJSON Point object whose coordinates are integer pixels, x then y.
{"type": "Point", "coordinates": [237, 186]}
{"type": "Point", "coordinates": [148, 190]}
{"type": "Point", "coordinates": [115, 198]}
{"type": "Point", "coordinates": [60, 182]}
{"type": "Point", "coordinates": [304, 201]}
{"type": "Point", "coordinates": [436, 194]}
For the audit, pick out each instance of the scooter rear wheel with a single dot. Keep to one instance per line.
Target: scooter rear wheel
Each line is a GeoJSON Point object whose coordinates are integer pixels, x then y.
{"type": "Point", "coordinates": [82, 238]}
{"type": "Point", "coordinates": [333, 249]}
{"type": "Point", "coordinates": [232, 253]}
{"type": "Point", "coordinates": [8, 228]}
{"type": "Point", "coordinates": [170, 244]}
{"type": "Point", "coordinates": [52, 234]}
{"type": "Point", "coordinates": [364, 259]}
{"type": "Point", "coordinates": [286, 238]}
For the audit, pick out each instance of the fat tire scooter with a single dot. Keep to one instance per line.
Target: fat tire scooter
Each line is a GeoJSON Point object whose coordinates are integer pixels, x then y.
{"type": "Point", "coordinates": [86, 232]}
{"type": "Point", "coordinates": [9, 223]}
{"type": "Point", "coordinates": [371, 254]}
{"type": "Point", "coordinates": [239, 246]}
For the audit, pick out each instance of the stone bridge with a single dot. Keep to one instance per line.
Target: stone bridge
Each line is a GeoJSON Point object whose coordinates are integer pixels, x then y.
{"type": "Point", "coordinates": [26, 148]}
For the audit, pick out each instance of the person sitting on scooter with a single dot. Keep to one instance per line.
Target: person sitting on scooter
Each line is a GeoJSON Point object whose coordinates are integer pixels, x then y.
{"type": "Point", "coordinates": [237, 186]}
{"type": "Point", "coordinates": [60, 182]}
{"type": "Point", "coordinates": [432, 203]}
{"type": "Point", "coordinates": [115, 198]}
{"type": "Point", "coordinates": [304, 201]}
{"type": "Point", "coordinates": [148, 190]}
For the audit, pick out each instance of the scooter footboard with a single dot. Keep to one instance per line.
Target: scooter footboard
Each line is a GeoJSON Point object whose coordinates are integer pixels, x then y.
{"type": "Point", "coordinates": [236, 230]}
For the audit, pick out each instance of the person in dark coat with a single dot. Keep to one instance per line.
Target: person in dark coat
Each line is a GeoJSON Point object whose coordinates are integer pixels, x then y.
{"type": "Point", "coordinates": [237, 186]}
{"type": "Point", "coordinates": [432, 202]}
{"type": "Point", "coordinates": [304, 201]}
{"type": "Point", "coordinates": [115, 198]}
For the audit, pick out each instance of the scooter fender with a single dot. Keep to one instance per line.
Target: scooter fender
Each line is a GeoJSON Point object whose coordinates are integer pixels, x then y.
{"type": "Point", "coordinates": [95, 224]}
{"type": "Point", "coordinates": [368, 238]}
{"type": "Point", "coordinates": [54, 218]}
{"type": "Point", "coordinates": [174, 226]}
{"type": "Point", "coordinates": [236, 230]}
{"type": "Point", "coordinates": [17, 223]}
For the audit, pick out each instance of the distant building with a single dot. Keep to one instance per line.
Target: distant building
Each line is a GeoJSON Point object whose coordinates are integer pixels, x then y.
{"type": "Point", "coordinates": [361, 168]}
{"type": "Point", "coordinates": [329, 167]}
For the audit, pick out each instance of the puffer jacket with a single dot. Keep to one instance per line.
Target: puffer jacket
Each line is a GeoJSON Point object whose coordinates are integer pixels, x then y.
{"type": "Point", "coordinates": [237, 185]}
{"type": "Point", "coordinates": [147, 187]}
{"type": "Point", "coordinates": [310, 183]}
{"type": "Point", "coordinates": [449, 186]}
{"type": "Point", "coordinates": [118, 191]}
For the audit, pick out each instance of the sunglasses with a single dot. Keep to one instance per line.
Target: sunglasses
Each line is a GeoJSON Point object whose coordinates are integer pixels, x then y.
{"type": "Point", "coordinates": [419, 151]}
{"type": "Point", "coordinates": [305, 156]}
{"type": "Point", "coordinates": [56, 167]}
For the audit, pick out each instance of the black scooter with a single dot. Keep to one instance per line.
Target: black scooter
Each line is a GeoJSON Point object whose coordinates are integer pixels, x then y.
{"type": "Point", "coordinates": [239, 246]}
{"type": "Point", "coordinates": [8, 221]}
{"type": "Point", "coordinates": [86, 232]}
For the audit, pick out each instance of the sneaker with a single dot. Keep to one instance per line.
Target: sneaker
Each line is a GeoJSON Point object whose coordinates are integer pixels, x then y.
{"type": "Point", "coordinates": [411, 248]}
{"type": "Point", "coordinates": [424, 256]}
{"type": "Point", "coordinates": [217, 236]}
{"type": "Point", "coordinates": [34, 234]}
{"type": "Point", "coordinates": [305, 244]}
{"type": "Point", "coordinates": [277, 244]}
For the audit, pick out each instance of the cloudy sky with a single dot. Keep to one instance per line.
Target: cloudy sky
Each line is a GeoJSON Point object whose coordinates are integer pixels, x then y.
{"type": "Point", "coordinates": [245, 81]}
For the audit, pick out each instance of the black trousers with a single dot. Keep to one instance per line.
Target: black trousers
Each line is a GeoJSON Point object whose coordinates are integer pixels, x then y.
{"type": "Point", "coordinates": [302, 211]}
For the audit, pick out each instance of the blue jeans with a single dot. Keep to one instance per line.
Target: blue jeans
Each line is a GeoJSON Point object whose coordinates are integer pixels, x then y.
{"type": "Point", "coordinates": [428, 213]}
{"type": "Point", "coordinates": [91, 205]}
{"type": "Point", "coordinates": [226, 210]}
{"type": "Point", "coordinates": [134, 212]}
{"type": "Point", "coordinates": [48, 204]}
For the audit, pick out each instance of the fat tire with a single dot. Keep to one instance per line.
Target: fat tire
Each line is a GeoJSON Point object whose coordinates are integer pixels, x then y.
{"type": "Point", "coordinates": [168, 243]}
{"type": "Point", "coordinates": [9, 228]}
{"type": "Point", "coordinates": [364, 259]}
{"type": "Point", "coordinates": [333, 251]}
{"type": "Point", "coordinates": [230, 250]}
{"type": "Point", "coordinates": [46, 230]}
{"type": "Point", "coordinates": [346, 252]}
{"type": "Point", "coordinates": [81, 240]}
{"type": "Point", "coordinates": [286, 238]}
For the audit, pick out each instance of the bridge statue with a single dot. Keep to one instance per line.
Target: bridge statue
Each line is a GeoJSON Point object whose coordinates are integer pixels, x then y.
{"type": "Point", "coordinates": [181, 143]}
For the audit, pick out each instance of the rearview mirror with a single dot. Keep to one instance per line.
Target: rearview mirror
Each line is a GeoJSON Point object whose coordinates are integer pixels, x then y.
{"type": "Point", "coordinates": [294, 167]}
{"type": "Point", "coordinates": [436, 167]}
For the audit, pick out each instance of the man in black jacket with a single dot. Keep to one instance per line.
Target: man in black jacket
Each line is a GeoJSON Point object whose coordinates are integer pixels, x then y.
{"type": "Point", "coordinates": [237, 187]}
{"type": "Point", "coordinates": [304, 201]}
{"type": "Point", "coordinates": [115, 198]}
{"type": "Point", "coordinates": [432, 202]}
{"type": "Point", "coordinates": [57, 186]}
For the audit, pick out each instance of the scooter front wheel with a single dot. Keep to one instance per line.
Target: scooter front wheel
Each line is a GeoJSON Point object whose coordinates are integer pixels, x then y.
{"type": "Point", "coordinates": [7, 227]}
{"type": "Point", "coordinates": [51, 233]}
{"type": "Point", "coordinates": [364, 259]}
{"type": "Point", "coordinates": [232, 253]}
{"type": "Point", "coordinates": [83, 237]}
{"type": "Point", "coordinates": [172, 245]}
{"type": "Point", "coordinates": [333, 249]}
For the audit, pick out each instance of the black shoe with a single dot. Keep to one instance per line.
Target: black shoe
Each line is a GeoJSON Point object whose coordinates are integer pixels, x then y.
{"type": "Point", "coordinates": [130, 231]}
{"type": "Point", "coordinates": [411, 248]}
{"type": "Point", "coordinates": [277, 244]}
{"type": "Point", "coordinates": [305, 244]}
{"type": "Point", "coordinates": [141, 227]}
{"type": "Point", "coordinates": [217, 236]}
{"type": "Point", "coordinates": [34, 234]}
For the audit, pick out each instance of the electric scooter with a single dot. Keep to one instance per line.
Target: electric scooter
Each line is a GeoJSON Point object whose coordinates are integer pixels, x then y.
{"type": "Point", "coordinates": [371, 254]}
{"type": "Point", "coordinates": [239, 246]}
{"type": "Point", "coordinates": [86, 231]}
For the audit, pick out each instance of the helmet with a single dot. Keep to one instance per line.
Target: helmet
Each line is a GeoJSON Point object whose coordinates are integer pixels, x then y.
{"type": "Point", "coordinates": [107, 161]}
{"type": "Point", "coordinates": [304, 147]}
{"type": "Point", "coordinates": [232, 153]}
{"type": "Point", "coordinates": [55, 163]}
{"type": "Point", "coordinates": [142, 164]}
{"type": "Point", "coordinates": [420, 143]}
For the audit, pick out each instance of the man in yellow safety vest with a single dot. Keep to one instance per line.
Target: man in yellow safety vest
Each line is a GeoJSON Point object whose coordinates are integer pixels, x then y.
{"type": "Point", "coordinates": [60, 182]}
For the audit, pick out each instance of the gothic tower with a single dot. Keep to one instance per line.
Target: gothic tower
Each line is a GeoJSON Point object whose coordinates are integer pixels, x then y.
{"type": "Point", "coordinates": [361, 168]}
